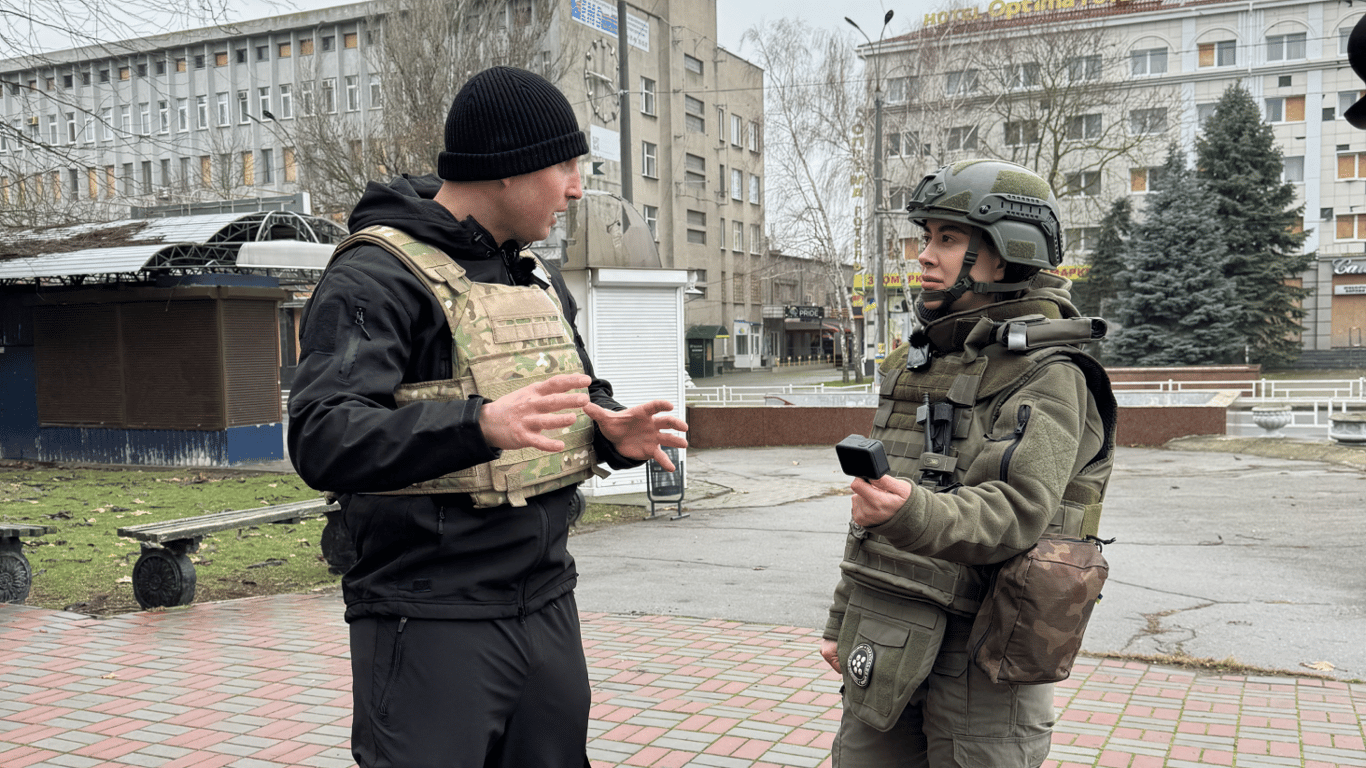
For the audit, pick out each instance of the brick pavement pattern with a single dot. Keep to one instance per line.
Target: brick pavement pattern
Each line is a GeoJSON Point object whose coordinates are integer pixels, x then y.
{"type": "Point", "coordinates": [265, 682]}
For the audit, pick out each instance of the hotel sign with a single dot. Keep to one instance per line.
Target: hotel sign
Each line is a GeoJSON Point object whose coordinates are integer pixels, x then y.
{"type": "Point", "coordinates": [998, 10]}
{"type": "Point", "coordinates": [1349, 266]}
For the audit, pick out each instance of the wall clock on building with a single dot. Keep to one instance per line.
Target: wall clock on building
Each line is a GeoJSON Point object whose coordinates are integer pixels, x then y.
{"type": "Point", "coordinates": [600, 79]}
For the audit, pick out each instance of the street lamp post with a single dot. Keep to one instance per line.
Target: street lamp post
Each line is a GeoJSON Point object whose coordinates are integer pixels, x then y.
{"type": "Point", "coordinates": [879, 291]}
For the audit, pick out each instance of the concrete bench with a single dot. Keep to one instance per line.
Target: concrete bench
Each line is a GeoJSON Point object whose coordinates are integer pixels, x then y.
{"type": "Point", "coordinates": [164, 576]}
{"type": "Point", "coordinates": [15, 574]}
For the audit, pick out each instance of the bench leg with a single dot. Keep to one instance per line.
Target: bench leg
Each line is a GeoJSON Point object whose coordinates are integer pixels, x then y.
{"type": "Point", "coordinates": [163, 577]}
{"type": "Point", "coordinates": [15, 575]}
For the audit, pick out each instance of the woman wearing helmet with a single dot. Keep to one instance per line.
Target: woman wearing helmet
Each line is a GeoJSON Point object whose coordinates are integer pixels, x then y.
{"type": "Point", "coordinates": [998, 430]}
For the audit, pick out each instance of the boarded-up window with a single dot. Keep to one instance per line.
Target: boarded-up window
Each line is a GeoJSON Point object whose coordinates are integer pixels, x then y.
{"type": "Point", "coordinates": [205, 171]}
{"type": "Point", "coordinates": [1294, 109]}
{"type": "Point", "coordinates": [306, 47]}
{"type": "Point", "coordinates": [1138, 179]}
{"type": "Point", "coordinates": [1346, 227]}
{"type": "Point", "coordinates": [350, 40]}
{"type": "Point", "coordinates": [174, 363]}
{"type": "Point", "coordinates": [248, 168]}
{"type": "Point", "coordinates": [1206, 55]}
{"type": "Point", "coordinates": [291, 168]}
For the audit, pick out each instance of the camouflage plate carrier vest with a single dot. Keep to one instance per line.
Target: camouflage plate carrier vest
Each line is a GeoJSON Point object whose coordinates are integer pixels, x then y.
{"type": "Point", "coordinates": [504, 337]}
{"type": "Point", "coordinates": [997, 360]}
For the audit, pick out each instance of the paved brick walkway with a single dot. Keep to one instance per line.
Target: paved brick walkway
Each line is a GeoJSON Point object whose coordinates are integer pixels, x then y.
{"type": "Point", "coordinates": [265, 682]}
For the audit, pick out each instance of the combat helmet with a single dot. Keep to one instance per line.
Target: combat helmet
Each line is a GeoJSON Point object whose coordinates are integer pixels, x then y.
{"type": "Point", "coordinates": [1011, 205]}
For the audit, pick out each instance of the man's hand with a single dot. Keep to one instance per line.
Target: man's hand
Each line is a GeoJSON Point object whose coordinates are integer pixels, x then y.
{"type": "Point", "coordinates": [637, 432]}
{"type": "Point", "coordinates": [517, 420]}
{"type": "Point", "coordinates": [876, 502]}
{"type": "Point", "coordinates": [830, 652]}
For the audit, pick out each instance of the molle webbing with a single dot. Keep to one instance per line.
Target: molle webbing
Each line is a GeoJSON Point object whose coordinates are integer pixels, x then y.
{"type": "Point", "coordinates": [877, 564]}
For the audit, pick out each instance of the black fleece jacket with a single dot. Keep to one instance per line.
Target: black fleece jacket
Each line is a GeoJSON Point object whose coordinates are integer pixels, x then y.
{"type": "Point", "coordinates": [369, 327]}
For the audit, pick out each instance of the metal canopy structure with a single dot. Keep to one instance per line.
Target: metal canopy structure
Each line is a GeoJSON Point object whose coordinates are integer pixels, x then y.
{"type": "Point", "coordinates": [285, 244]}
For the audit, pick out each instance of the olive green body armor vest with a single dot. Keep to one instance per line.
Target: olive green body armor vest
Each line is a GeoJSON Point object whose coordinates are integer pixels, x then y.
{"type": "Point", "coordinates": [976, 382]}
{"type": "Point", "coordinates": [504, 338]}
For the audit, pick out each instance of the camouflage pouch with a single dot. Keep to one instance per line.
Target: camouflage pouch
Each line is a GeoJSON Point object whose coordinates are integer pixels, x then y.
{"type": "Point", "coordinates": [886, 648]}
{"type": "Point", "coordinates": [1030, 626]}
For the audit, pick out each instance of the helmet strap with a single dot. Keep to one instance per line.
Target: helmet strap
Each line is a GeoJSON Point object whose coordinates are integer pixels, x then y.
{"type": "Point", "coordinates": [965, 283]}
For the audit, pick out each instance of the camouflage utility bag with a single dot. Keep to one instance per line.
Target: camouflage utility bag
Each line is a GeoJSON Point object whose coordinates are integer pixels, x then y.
{"type": "Point", "coordinates": [1031, 623]}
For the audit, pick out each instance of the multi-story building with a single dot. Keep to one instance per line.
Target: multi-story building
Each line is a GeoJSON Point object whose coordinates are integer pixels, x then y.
{"type": "Point", "coordinates": [217, 114]}
{"type": "Point", "coordinates": [1092, 95]}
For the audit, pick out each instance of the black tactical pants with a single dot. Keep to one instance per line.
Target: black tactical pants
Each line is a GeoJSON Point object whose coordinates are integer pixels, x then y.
{"type": "Point", "coordinates": [503, 693]}
{"type": "Point", "coordinates": [957, 718]}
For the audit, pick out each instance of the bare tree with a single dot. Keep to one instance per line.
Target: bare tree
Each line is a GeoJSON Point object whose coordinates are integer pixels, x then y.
{"type": "Point", "coordinates": [422, 52]}
{"type": "Point", "coordinates": [813, 144]}
{"type": "Point", "coordinates": [1056, 97]}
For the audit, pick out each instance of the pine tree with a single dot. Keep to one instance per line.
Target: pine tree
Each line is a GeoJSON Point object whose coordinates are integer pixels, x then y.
{"type": "Point", "coordinates": [1100, 287]}
{"type": "Point", "coordinates": [1239, 161]}
{"type": "Point", "coordinates": [1174, 303]}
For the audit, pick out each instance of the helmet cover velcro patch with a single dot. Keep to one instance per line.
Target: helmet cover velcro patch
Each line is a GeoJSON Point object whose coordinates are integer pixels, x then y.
{"type": "Point", "coordinates": [1023, 184]}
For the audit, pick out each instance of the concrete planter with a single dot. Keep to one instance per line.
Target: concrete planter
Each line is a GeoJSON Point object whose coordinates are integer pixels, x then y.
{"type": "Point", "coordinates": [1348, 428]}
{"type": "Point", "coordinates": [1272, 418]}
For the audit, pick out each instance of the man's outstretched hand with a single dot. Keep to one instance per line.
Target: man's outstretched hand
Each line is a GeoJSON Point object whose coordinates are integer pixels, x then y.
{"type": "Point", "coordinates": [516, 420]}
{"type": "Point", "coordinates": [638, 432]}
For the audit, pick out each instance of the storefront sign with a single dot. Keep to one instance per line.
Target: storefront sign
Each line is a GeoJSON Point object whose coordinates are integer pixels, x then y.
{"type": "Point", "coordinates": [1349, 266]}
{"type": "Point", "coordinates": [804, 313]}
{"type": "Point", "coordinates": [1002, 10]}
{"type": "Point", "coordinates": [1356, 289]}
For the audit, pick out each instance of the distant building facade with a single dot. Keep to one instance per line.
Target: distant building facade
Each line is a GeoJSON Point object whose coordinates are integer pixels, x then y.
{"type": "Point", "coordinates": [1105, 87]}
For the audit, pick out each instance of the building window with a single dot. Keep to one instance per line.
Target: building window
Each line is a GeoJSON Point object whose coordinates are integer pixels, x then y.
{"type": "Point", "coordinates": [52, 129]}
{"type": "Point", "coordinates": [1285, 109]}
{"type": "Point", "coordinates": [329, 95]}
{"type": "Point", "coordinates": [692, 64]}
{"type": "Point", "coordinates": [376, 92]}
{"type": "Point", "coordinates": [350, 40]}
{"type": "Point", "coordinates": [182, 109]}
{"type": "Point", "coordinates": [1022, 76]}
{"type": "Point", "coordinates": [1148, 61]}
{"type": "Point", "coordinates": [329, 42]}
{"type": "Point", "coordinates": [649, 160]}
{"type": "Point", "coordinates": [267, 172]}
{"type": "Point", "coordinates": [737, 125]}
{"type": "Point", "coordinates": [1022, 133]}
{"type": "Point", "coordinates": [961, 83]}
{"type": "Point", "coordinates": [900, 89]}
{"type": "Point", "coordinates": [145, 118]}
{"type": "Point", "coordinates": [1286, 47]}
{"type": "Point", "coordinates": [652, 220]}
{"type": "Point", "coordinates": [1344, 34]}
{"type": "Point", "coordinates": [220, 58]}
{"type": "Point", "coordinates": [70, 128]}
{"type": "Point", "coordinates": [962, 137]}
{"type": "Point", "coordinates": [291, 168]}
{"type": "Point", "coordinates": [263, 101]}
{"type": "Point", "coordinates": [1081, 239]}
{"type": "Point", "coordinates": [263, 53]}
{"type": "Point", "coordinates": [1143, 180]}
{"type": "Point", "coordinates": [737, 242]}
{"type": "Point", "coordinates": [106, 118]}
{"type": "Point", "coordinates": [1203, 112]}
{"type": "Point", "coordinates": [1352, 166]}
{"type": "Point", "coordinates": [248, 168]}
{"type": "Point", "coordinates": [282, 51]}
{"type": "Point", "coordinates": [737, 185]}
{"type": "Point", "coordinates": [352, 93]}
{"type": "Point", "coordinates": [1082, 184]}
{"type": "Point", "coordinates": [306, 46]}
{"type": "Point", "coordinates": [125, 73]}
{"type": "Point", "coordinates": [200, 61]}
{"type": "Point", "coordinates": [1223, 53]}
{"type": "Point", "coordinates": [754, 189]}
{"type": "Point", "coordinates": [201, 105]}
{"type": "Point", "coordinates": [694, 172]}
{"type": "Point", "coordinates": [1351, 227]}
{"type": "Point", "coordinates": [1084, 127]}
{"type": "Point", "coordinates": [306, 97]}
{"type": "Point", "coordinates": [697, 227]}
{"type": "Point", "coordinates": [286, 101]}
{"type": "Point", "coordinates": [756, 238]}
{"type": "Point", "coordinates": [180, 65]}
{"type": "Point", "coordinates": [221, 100]}
{"type": "Point", "coordinates": [241, 55]}
{"type": "Point", "coordinates": [753, 139]}
{"type": "Point", "coordinates": [693, 115]}
{"type": "Point", "coordinates": [1292, 170]}
{"type": "Point", "coordinates": [722, 238]}
{"type": "Point", "coordinates": [1347, 98]}
{"type": "Point", "coordinates": [647, 96]}
{"type": "Point", "coordinates": [1083, 68]}
{"type": "Point", "coordinates": [1147, 121]}
{"type": "Point", "coordinates": [243, 107]}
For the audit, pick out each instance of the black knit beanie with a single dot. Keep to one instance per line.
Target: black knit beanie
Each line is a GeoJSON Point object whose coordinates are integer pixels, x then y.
{"type": "Point", "coordinates": [506, 122]}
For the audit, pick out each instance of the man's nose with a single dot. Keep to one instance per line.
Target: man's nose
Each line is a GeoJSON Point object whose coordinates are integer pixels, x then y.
{"type": "Point", "coordinates": [575, 189]}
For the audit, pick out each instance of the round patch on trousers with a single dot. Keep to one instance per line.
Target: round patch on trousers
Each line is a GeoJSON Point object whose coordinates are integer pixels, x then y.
{"type": "Point", "coordinates": [861, 664]}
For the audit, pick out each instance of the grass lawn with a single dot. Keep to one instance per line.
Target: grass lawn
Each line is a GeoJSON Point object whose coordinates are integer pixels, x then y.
{"type": "Point", "coordinates": [86, 567]}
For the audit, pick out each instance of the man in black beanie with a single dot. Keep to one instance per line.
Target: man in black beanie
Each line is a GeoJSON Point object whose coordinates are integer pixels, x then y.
{"type": "Point", "coordinates": [444, 394]}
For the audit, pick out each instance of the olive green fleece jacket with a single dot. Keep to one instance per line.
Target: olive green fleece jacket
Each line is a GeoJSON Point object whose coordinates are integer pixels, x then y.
{"type": "Point", "coordinates": [1036, 444]}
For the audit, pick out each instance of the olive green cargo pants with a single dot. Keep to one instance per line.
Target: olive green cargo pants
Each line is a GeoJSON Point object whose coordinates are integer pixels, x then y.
{"type": "Point", "coordinates": [957, 718]}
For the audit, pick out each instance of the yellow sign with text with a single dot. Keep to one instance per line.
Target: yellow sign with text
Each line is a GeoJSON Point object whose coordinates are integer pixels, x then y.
{"type": "Point", "coordinates": [1009, 9]}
